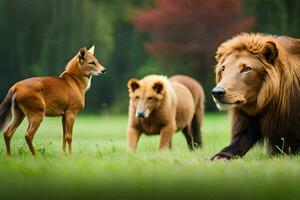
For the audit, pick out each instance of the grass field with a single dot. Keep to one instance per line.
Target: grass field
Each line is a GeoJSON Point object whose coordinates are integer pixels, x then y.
{"type": "Point", "coordinates": [102, 168]}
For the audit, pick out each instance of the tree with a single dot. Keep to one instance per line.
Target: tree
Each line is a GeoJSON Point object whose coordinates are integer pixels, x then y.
{"type": "Point", "coordinates": [275, 17]}
{"type": "Point", "coordinates": [40, 38]}
{"type": "Point", "coordinates": [192, 30]}
{"type": "Point", "coordinates": [191, 27]}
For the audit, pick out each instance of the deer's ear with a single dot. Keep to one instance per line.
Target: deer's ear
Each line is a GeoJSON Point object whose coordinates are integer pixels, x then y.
{"type": "Point", "coordinates": [92, 49]}
{"type": "Point", "coordinates": [82, 54]}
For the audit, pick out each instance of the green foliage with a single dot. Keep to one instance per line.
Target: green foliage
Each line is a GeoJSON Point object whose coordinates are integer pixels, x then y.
{"type": "Point", "coordinates": [102, 168]}
{"type": "Point", "coordinates": [275, 17]}
{"type": "Point", "coordinates": [40, 37]}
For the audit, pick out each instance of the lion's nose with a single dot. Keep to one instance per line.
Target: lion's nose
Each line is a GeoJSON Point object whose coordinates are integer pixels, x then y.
{"type": "Point", "coordinates": [218, 92]}
{"type": "Point", "coordinates": [141, 114]}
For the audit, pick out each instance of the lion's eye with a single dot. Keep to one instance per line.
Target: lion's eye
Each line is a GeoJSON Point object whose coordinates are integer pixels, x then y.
{"type": "Point", "coordinates": [137, 97]}
{"type": "Point", "coordinates": [92, 63]}
{"type": "Point", "coordinates": [246, 68]}
{"type": "Point", "coordinates": [223, 68]}
{"type": "Point", "coordinates": [150, 98]}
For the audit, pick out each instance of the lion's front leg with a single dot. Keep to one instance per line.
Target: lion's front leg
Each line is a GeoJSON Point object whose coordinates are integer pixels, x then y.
{"type": "Point", "coordinates": [133, 136]}
{"type": "Point", "coordinates": [166, 136]}
{"type": "Point", "coordinates": [242, 141]}
{"type": "Point", "coordinates": [238, 147]}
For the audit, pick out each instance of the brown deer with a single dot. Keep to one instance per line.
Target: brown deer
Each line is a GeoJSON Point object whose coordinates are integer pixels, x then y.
{"type": "Point", "coordinates": [38, 97]}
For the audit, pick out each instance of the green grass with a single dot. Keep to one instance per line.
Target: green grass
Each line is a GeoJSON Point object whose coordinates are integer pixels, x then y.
{"type": "Point", "coordinates": [102, 168]}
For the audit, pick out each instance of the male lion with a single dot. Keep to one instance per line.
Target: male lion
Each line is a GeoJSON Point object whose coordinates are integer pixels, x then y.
{"type": "Point", "coordinates": [159, 105]}
{"type": "Point", "coordinates": [258, 79]}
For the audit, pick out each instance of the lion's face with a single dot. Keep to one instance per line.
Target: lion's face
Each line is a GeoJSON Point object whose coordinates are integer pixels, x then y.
{"type": "Point", "coordinates": [145, 96]}
{"type": "Point", "coordinates": [239, 77]}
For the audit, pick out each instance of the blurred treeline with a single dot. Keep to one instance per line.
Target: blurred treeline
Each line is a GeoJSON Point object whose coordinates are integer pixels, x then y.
{"type": "Point", "coordinates": [132, 38]}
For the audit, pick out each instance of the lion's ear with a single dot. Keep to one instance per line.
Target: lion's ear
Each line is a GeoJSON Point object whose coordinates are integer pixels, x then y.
{"type": "Point", "coordinates": [158, 87]}
{"type": "Point", "coordinates": [132, 85]}
{"type": "Point", "coordinates": [269, 52]}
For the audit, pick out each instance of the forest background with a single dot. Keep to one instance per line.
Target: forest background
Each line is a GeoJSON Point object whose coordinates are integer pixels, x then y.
{"type": "Point", "coordinates": [133, 38]}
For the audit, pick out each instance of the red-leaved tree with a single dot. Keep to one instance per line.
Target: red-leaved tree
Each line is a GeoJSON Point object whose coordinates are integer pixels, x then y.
{"type": "Point", "coordinates": [191, 27]}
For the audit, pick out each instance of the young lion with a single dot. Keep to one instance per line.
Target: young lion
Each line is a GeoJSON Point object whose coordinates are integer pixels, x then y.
{"type": "Point", "coordinates": [38, 97]}
{"type": "Point", "coordinates": [163, 106]}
